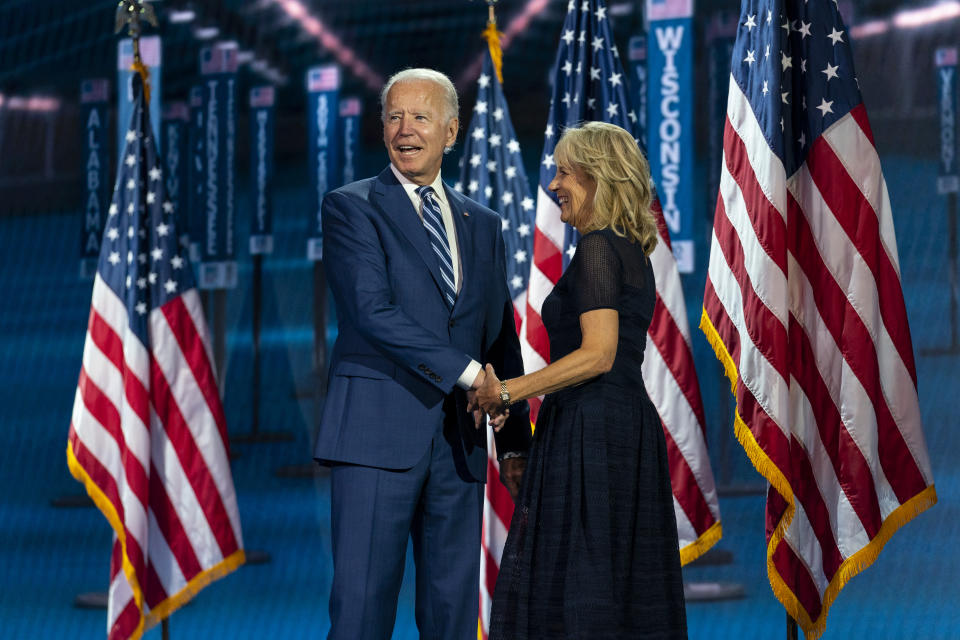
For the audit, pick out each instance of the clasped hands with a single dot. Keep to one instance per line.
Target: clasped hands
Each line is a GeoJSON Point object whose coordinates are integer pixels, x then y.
{"type": "Point", "coordinates": [483, 398]}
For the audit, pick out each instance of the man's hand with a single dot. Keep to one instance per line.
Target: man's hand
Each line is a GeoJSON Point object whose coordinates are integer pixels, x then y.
{"type": "Point", "coordinates": [511, 474]}
{"type": "Point", "coordinates": [473, 406]}
{"type": "Point", "coordinates": [499, 420]}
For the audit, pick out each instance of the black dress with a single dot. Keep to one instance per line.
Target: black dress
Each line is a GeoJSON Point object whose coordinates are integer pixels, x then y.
{"type": "Point", "coordinates": [592, 551]}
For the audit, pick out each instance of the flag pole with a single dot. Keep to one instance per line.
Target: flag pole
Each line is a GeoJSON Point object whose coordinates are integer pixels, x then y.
{"type": "Point", "coordinates": [792, 632]}
{"type": "Point", "coordinates": [129, 13]}
{"type": "Point", "coordinates": [954, 280]}
{"type": "Point", "coordinates": [492, 36]}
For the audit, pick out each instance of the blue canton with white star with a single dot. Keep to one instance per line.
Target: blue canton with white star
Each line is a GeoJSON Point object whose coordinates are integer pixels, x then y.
{"type": "Point", "coordinates": [588, 84]}
{"type": "Point", "coordinates": [794, 63]}
{"type": "Point", "coordinates": [492, 173]}
{"type": "Point", "coordinates": [141, 259]}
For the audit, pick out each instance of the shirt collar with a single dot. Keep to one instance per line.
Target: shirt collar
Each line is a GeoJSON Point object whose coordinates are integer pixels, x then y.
{"type": "Point", "coordinates": [411, 187]}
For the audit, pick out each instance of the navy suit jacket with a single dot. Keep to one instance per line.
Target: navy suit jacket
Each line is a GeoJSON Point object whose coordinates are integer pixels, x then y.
{"type": "Point", "coordinates": [400, 348]}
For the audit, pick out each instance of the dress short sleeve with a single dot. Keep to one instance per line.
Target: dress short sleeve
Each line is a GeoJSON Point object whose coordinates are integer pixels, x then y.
{"type": "Point", "coordinates": [597, 277]}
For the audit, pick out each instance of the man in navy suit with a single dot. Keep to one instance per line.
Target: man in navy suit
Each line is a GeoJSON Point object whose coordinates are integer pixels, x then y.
{"type": "Point", "coordinates": [418, 276]}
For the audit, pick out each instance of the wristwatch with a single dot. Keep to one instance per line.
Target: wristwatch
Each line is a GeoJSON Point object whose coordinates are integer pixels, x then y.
{"type": "Point", "coordinates": [504, 394]}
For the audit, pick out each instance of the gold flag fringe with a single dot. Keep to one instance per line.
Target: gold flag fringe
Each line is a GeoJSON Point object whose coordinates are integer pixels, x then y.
{"type": "Point", "coordinates": [140, 68]}
{"type": "Point", "coordinates": [171, 603]}
{"type": "Point", "coordinates": [492, 36]}
{"type": "Point", "coordinates": [702, 544]}
{"type": "Point", "coordinates": [850, 567]}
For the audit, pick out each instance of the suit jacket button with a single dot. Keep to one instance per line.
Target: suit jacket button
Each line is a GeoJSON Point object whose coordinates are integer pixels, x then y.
{"type": "Point", "coordinates": [422, 367]}
{"type": "Point", "coordinates": [452, 323]}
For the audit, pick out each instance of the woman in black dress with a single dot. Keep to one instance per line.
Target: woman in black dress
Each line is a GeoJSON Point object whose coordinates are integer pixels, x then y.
{"type": "Point", "coordinates": [592, 551]}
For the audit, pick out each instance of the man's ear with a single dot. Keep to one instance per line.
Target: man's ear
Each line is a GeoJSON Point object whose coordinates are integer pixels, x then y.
{"type": "Point", "coordinates": [452, 128]}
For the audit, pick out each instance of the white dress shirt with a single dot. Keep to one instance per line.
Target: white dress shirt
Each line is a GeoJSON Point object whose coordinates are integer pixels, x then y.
{"type": "Point", "coordinates": [470, 373]}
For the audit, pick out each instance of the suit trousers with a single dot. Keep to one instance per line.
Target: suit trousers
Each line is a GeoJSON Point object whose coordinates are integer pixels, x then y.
{"type": "Point", "coordinates": [374, 511]}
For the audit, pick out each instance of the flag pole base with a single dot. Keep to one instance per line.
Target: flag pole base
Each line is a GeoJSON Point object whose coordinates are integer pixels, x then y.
{"type": "Point", "coordinates": [256, 556]}
{"type": "Point", "coordinates": [305, 470]}
{"type": "Point", "coordinates": [91, 600]}
{"type": "Point", "coordinates": [98, 600]}
{"type": "Point", "coordinates": [941, 351]}
{"type": "Point", "coordinates": [713, 557]}
{"type": "Point", "coordinates": [262, 436]}
{"type": "Point", "coordinates": [745, 489]}
{"type": "Point", "coordinates": [72, 501]}
{"type": "Point", "coordinates": [712, 591]}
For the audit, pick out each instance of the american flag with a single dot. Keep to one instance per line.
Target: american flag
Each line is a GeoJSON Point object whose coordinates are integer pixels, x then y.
{"type": "Point", "coordinates": [492, 173]}
{"type": "Point", "coordinates": [589, 84]}
{"type": "Point", "coordinates": [95, 90]}
{"type": "Point", "coordinates": [804, 307]}
{"type": "Point", "coordinates": [147, 435]}
{"type": "Point", "coordinates": [324, 78]}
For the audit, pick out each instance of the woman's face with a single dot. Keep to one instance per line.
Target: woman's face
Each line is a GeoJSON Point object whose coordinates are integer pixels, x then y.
{"type": "Point", "coordinates": [575, 191]}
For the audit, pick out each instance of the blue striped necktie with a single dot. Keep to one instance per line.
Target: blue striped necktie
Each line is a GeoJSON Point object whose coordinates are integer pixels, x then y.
{"type": "Point", "coordinates": [437, 233]}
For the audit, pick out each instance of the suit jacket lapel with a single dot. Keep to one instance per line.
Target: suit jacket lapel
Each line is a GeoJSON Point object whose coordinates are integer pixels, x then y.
{"type": "Point", "coordinates": [390, 196]}
{"type": "Point", "coordinates": [465, 239]}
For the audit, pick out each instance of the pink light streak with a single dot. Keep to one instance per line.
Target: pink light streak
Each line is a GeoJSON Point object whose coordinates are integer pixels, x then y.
{"type": "Point", "coordinates": [331, 42]}
{"type": "Point", "coordinates": [30, 103]}
{"type": "Point", "coordinates": [912, 18]}
{"type": "Point", "coordinates": [871, 28]}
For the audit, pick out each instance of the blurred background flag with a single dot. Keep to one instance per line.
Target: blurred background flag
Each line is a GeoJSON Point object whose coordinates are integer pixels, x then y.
{"type": "Point", "coordinates": [804, 307]}
{"type": "Point", "coordinates": [148, 437]}
{"type": "Point", "coordinates": [589, 84]}
{"type": "Point", "coordinates": [492, 173]}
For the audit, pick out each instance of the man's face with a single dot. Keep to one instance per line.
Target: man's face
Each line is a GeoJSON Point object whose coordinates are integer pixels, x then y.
{"type": "Point", "coordinates": [415, 129]}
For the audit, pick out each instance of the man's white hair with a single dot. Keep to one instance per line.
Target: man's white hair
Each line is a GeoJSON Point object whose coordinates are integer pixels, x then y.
{"type": "Point", "coordinates": [450, 100]}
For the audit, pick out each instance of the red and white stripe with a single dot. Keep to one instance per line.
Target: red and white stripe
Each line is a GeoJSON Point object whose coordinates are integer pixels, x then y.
{"type": "Point", "coordinates": [545, 271]}
{"type": "Point", "coordinates": [804, 307]}
{"type": "Point", "coordinates": [148, 439]}
{"type": "Point", "coordinates": [497, 508]}
{"type": "Point", "coordinates": [497, 514]}
{"type": "Point", "coordinates": [668, 373]}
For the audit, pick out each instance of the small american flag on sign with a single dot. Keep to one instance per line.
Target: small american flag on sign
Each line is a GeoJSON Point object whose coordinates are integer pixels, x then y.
{"type": "Point", "coordinates": [96, 90]}
{"type": "Point", "coordinates": [667, 9]}
{"type": "Point", "coordinates": [262, 97]}
{"type": "Point", "coordinates": [176, 111]}
{"type": "Point", "coordinates": [325, 78]}
{"type": "Point", "coordinates": [350, 107]}
{"type": "Point", "coordinates": [946, 57]}
{"type": "Point", "coordinates": [150, 50]}
{"type": "Point", "coordinates": [218, 59]}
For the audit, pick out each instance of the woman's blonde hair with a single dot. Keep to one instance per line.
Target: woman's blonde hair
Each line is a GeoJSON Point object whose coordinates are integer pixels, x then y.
{"type": "Point", "coordinates": [609, 155]}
